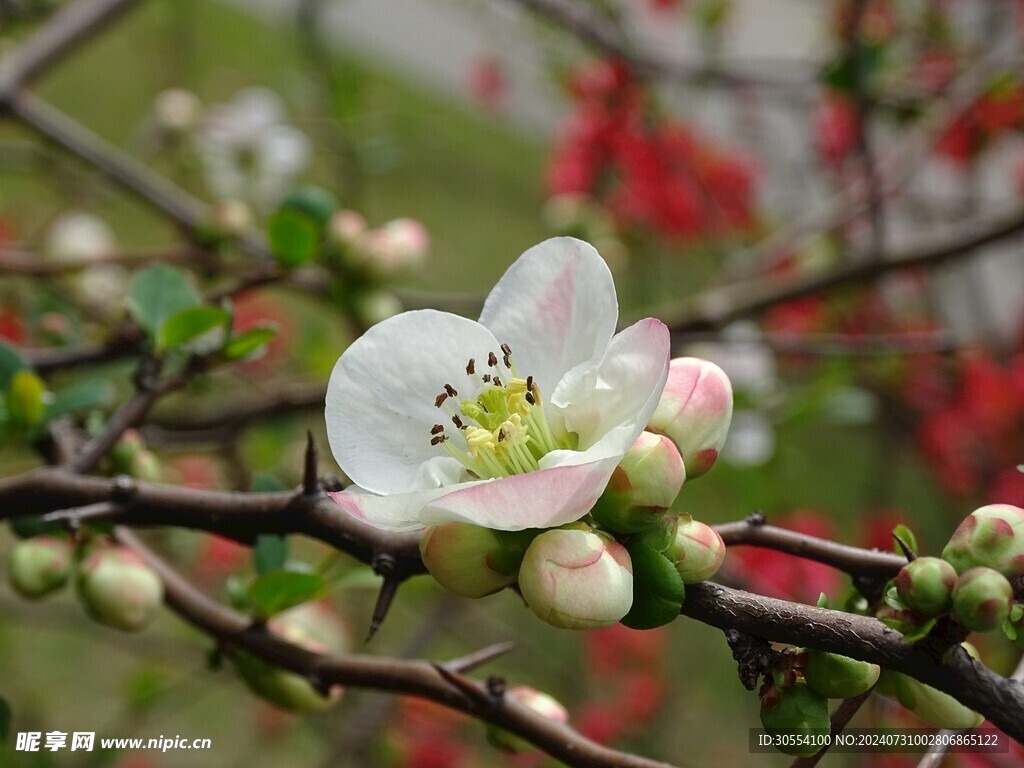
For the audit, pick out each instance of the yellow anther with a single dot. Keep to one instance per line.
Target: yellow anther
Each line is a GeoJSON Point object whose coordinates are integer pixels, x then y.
{"type": "Point", "coordinates": [478, 440]}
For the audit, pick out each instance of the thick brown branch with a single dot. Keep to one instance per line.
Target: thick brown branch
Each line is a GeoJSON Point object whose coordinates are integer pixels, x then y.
{"type": "Point", "coordinates": [414, 678]}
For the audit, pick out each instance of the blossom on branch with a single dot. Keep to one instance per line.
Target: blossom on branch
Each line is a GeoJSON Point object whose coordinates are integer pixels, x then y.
{"type": "Point", "coordinates": [516, 421]}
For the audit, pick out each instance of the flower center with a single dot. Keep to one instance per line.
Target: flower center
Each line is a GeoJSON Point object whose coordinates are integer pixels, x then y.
{"type": "Point", "coordinates": [503, 431]}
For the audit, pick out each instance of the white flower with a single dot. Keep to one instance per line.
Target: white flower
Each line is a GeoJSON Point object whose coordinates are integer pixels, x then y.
{"type": "Point", "coordinates": [248, 151]}
{"type": "Point", "coordinates": [516, 421]}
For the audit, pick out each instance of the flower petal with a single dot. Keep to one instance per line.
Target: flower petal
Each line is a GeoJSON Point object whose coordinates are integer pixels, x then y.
{"type": "Point", "coordinates": [397, 512]}
{"type": "Point", "coordinates": [555, 307]}
{"type": "Point", "coordinates": [541, 499]}
{"type": "Point", "coordinates": [380, 399]}
{"type": "Point", "coordinates": [609, 411]}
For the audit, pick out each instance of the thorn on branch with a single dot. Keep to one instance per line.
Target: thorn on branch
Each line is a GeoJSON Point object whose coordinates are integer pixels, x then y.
{"type": "Point", "coordinates": [384, 565]}
{"type": "Point", "coordinates": [479, 658]}
{"type": "Point", "coordinates": [310, 482]}
{"type": "Point", "coordinates": [496, 686]}
{"type": "Point", "coordinates": [908, 551]}
{"type": "Point", "coordinates": [754, 656]}
{"type": "Point", "coordinates": [467, 687]}
{"type": "Point", "coordinates": [757, 517]}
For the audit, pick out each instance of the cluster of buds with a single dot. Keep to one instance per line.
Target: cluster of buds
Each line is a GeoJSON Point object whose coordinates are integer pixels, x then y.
{"type": "Point", "coordinates": [394, 248]}
{"type": "Point", "coordinates": [629, 559]}
{"type": "Point", "coordinates": [114, 586]}
{"type": "Point", "coordinates": [130, 456]}
{"type": "Point", "coordinates": [315, 627]}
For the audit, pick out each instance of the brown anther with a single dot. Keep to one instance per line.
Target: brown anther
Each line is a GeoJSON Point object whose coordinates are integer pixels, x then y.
{"type": "Point", "coordinates": [457, 421]}
{"type": "Point", "coordinates": [530, 398]}
{"type": "Point", "coordinates": [437, 440]}
{"type": "Point", "coordinates": [506, 349]}
{"type": "Point", "coordinates": [450, 390]}
{"type": "Point", "coordinates": [492, 359]}
{"type": "Point", "coordinates": [440, 399]}
{"type": "Point", "coordinates": [497, 381]}
{"type": "Point", "coordinates": [507, 361]}
{"type": "Point", "coordinates": [471, 367]}
{"type": "Point", "coordinates": [437, 429]}
{"type": "Point", "coordinates": [501, 435]}
{"type": "Point", "coordinates": [487, 378]}
{"type": "Point", "coordinates": [529, 383]}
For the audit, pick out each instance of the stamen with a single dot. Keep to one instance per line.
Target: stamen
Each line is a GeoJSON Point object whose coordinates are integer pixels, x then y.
{"type": "Point", "coordinates": [457, 421]}
{"type": "Point", "coordinates": [492, 359]}
{"type": "Point", "coordinates": [437, 440]}
{"type": "Point", "coordinates": [471, 367]}
{"type": "Point", "coordinates": [450, 390]}
{"type": "Point", "coordinates": [437, 429]}
{"type": "Point", "coordinates": [497, 381]}
{"type": "Point", "coordinates": [439, 400]}
{"type": "Point", "coordinates": [487, 378]}
{"type": "Point", "coordinates": [506, 349]}
{"type": "Point", "coordinates": [501, 435]}
{"type": "Point", "coordinates": [529, 383]}
{"type": "Point", "coordinates": [530, 398]}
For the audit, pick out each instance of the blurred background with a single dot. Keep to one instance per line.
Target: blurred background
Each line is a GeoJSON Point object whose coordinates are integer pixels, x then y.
{"type": "Point", "coordinates": [823, 197]}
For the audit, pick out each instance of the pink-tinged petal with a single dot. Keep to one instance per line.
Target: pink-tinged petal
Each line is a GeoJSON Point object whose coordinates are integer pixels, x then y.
{"type": "Point", "coordinates": [556, 308]}
{"type": "Point", "coordinates": [381, 395]}
{"type": "Point", "coordinates": [542, 499]}
{"type": "Point", "coordinates": [397, 512]}
{"type": "Point", "coordinates": [610, 412]}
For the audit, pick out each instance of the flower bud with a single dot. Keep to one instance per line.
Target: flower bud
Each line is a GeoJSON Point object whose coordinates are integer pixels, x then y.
{"type": "Point", "coordinates": [118, 589]}
{"type": "Point", "coordinates": [26, 399]}
{"type": "Point", "coordinates": [925, 585]}
{"type": "Point", "coordinates": [377, 306]}
{"type": "Point", "coordinates": [345, 228]}
{"type": "Point", "coordinates": [312, 626]}
{"type": "Point", "coordinates": [470, 560]}
{"type": "Point", "coordinates": [539, 702]}
{"type": "Point", "coordinates": [177, 110]}
{"type": "Point", "coordinates": [796, 710]}
{"type": "Point", "coordinates": [577, 579]}
{"type": "Point", "coordinates": [838, 677]}
{"type": "Point", "coordinates": [695, 411]}
{"type": "Point", "coordinates": [643, 486]}
{"type": "Point", "coordinates": [125, 449]}
{"type": "Point", "coordinates": [408, 242]}
{"type": "Point", "coordinates": [39, 566]}
{"type": "Point", "coordinates": [991, 536]}
{"type": "Point", "coordinates": [230, 218]}
{"type": "Point", "coordinates": [982, 599]}
{"type": "Point", "coordinates": [79, 237]}
{"type": "Point", "coordinates": [938, 709]}
{"type": "Point", "coordinates": [697, 550]}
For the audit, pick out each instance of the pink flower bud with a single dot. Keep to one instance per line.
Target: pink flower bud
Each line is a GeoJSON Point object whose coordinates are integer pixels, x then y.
{"type": "Point", "coordinates": [539, 702]}
{"type": "Point", "coordinates": [993, 537]}
{"type": "Point", "coordinates": [118, 589]}
{"type": "Point", "coordinates": [695, 411]}
{"type": "Point", "coordinates": [399, 245]}
{"type": "Point", "coordinates": [346, 227]}
{"type": "Point", "coordinates": [312, 626]}
{"type": "Point", "coordinates": [39, 566]}
{"type": "Point", "coordinates": [577, 579]}
{"type": "Point", "coordinates": [643, 486]}
{"type": "Point", "coordinates": [982, 599]}
{"type": "Point", "coordinates": [470, 560]}
{"type": "Point", "coordinates": [698, 550]}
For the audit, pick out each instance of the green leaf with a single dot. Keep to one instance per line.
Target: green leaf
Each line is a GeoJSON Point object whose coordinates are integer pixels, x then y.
{"type": "Point", "coordinates": [908, 537]}
{"type": "Point", "coordinates": [11, 362]}
{"type": "Point", "coordinates": [83, 396]}
{"type": "Point", "coordinates": [294, 237]}
{"type": "Point", "coordinates": [913, 634]}
{"type": "Point", "coordinates": [277, 591]}
{"type": "Point", "coordinates": [823, 600]}
{"type": "Point", "coordinates": [250, 342]}
{"type": "Point", "coordinates": [892, 597]}
{"type": "Point", "coordinates": [269, 553]}
{"type": "Point", "coordinates": [1009, 630]}
{"type": "Point", "coordinates": [316, 202]}
{"type": "Point", "coordinates": [189, 324]}
{"type": "Point", "coordinates": [658, 589]}
{"type": "Point", "coordinates": [5, 720]}
{"type": "Point", "coordinates": [26, 399]}
{"type": "Point", "coordinates": [157, 293]}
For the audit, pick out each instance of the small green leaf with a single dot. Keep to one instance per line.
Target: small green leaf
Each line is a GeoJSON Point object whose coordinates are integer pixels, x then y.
{"type": "Point", "coordinates": [912, 634]}
{"type": "Point", "coordinates": [157, 293]}
{"type": "Point", "coordinates": [189, 324]}
{"type": "Point", "coordinates": [892, 598]}
{"type": "Point", "coordinates": [1009, 630]}
{"type": "Point", "coordinates": [294, 237]}
{"type": "Point", "coordinates": [658, 589]}
{"type": "Point", "coordinates": [5, 720]}
{"type": "Point", "coordinates": [11, 362]}
{"type": "Point", "coordinates": [269, 553]}
{"type": "Point", "coordinates": [316, 202]}
{"type": "Point", "coordinates": [26, 399]}
{"type": "Point", "coordinates": [823, 600]}
{"type": "Point", "coordinates": [277, 591]}
{"type": "Point", "coordinates": [1016, 612]}
{"type": "Point", "coordinates": [908, 538]}
{"type": "Point", "coordinates": [250, 342]}
{"type": "Point", "coordinates": [83, 396]}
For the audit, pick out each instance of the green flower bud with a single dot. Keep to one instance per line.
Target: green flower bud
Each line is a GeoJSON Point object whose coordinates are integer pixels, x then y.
{"type": "Point", "coordinates": [118, 589]}
{"type": "Point", "coordinates": [938, 709]}
{"type": "Point", "coordinates": [26, 399]}
{"type": "Point", "coordinates": [795, 710]}
{"type": "Point", "coordinates": [577, 579]}
{"type": "Point", "coordinates": [698, 550]}
{"type": "Point", "coordinates": [470, 560]}
{"type": "Point", "coordinates": [839, 677]}
{"type": "Point", "coordinates": [541, 703]}
{"type": "Point", "coordinates": [926, 584]}
{"type": "Point", "coordinates": [992, 537]}
{"type": "Point", "coordinates": [643, 486]}
{"type": "Point", "coordinates": [146, 466]}
{"type": "Point", "coordinates": [125, 449]}
{"type": "Point", "coordinates": [39, 566]}
{"type": "Point", "coordinates": [695, 411]}
{"type": "Point", "coordinates": [982, 599]}
{"type": "Point", "coordinates": [312, 626]}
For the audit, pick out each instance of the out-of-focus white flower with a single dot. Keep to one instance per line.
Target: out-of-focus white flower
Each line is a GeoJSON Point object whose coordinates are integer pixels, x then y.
{"type": "Point", "coordinates": [177, 110]}
{"type": "Point", "coordinates": [248, 150]}
{"type": "Point", "coordinates": [82, 237]}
